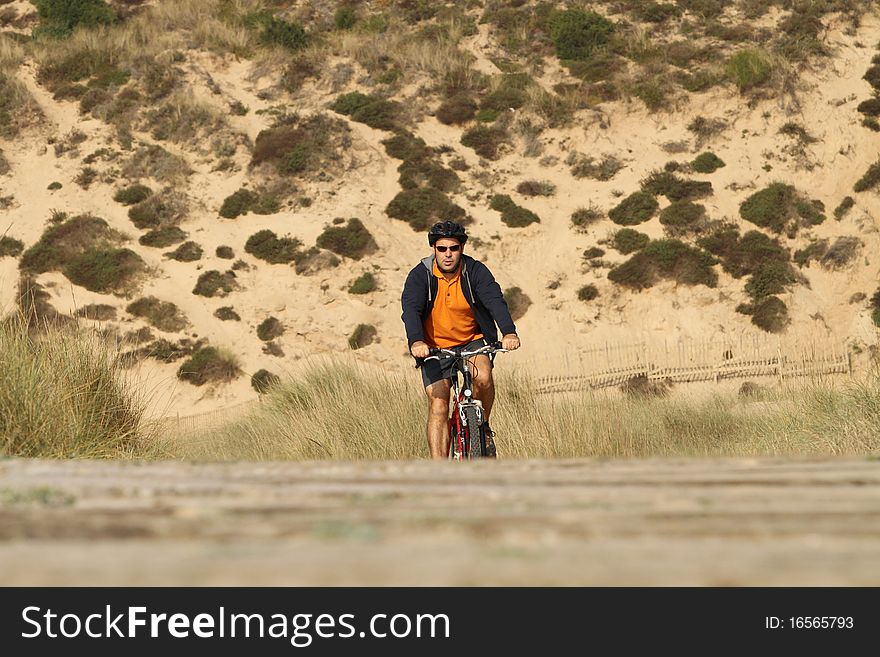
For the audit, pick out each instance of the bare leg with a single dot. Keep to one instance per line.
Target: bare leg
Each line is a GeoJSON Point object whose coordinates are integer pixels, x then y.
{"type": "Point", "coordinates": [438, 416]}
{"type": "Point", "coordinates": [484, 385]}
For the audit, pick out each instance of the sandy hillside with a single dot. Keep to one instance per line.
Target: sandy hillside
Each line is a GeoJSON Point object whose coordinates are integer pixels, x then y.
{"type": "Point", "coordinates": [543, 259]}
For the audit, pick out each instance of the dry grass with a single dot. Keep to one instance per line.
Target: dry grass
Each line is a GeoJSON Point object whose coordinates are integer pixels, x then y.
{"type": "Point", "coordinates": [438, 57]}
{"type": "Point", "coordinates": [63, 395]}
{"type": "Point", "coordinates": [18, 108]}
{"type": "Point", "coordinates": [182, 118]}
{"type": "Point", "coordinates": [341, 410]}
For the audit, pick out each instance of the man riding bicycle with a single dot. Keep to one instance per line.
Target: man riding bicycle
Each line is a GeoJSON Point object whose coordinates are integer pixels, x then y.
{"type": "Point", "coordinates": [452, 301]}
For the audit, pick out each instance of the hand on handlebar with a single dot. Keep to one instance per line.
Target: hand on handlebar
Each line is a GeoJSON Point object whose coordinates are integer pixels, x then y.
{"type": "Point", "coordinates": [510, 341]}
{"type": "Point", "coordinates": [419, 349]}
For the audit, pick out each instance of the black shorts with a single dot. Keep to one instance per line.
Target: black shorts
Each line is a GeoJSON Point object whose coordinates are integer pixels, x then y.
{"type": "Point", "coordinates": [436, 370]}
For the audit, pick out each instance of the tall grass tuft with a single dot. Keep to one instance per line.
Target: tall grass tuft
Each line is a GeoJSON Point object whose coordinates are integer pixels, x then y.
{"type": "Point", "coordinates": [342, 410]}
{"type": "Point", "coordinates": [333, 410]}
{"type": "Point", "coordinates": [62, 395]}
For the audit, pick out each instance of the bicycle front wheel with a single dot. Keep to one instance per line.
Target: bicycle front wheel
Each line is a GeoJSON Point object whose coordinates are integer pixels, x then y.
{"type": "Point", "coordinates": [476, 437]}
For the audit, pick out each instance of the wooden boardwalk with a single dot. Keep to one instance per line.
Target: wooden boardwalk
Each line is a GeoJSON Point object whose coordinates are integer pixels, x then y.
{"type": "Point", "coordinates": [697, 522]}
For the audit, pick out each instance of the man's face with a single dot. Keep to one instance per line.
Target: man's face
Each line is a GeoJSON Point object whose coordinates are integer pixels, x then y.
{"type": "Point", "coordinates": [447, 258]}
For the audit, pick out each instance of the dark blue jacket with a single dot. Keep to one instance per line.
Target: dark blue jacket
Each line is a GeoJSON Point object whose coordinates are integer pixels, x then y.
{"type": "Point", "coordinates": [479, 287]}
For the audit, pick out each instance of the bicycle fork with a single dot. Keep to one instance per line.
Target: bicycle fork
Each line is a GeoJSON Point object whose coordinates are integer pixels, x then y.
{"type": "Point", "coordinates": [460, 440]}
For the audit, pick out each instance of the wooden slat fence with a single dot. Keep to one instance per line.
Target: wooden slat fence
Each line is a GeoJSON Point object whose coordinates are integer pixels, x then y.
{"type": "Point", "coordinates": [684, 361]}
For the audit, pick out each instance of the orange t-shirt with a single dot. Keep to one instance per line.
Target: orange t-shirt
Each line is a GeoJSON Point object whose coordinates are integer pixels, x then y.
{"type": "Point", "coordinates": [451, 322]}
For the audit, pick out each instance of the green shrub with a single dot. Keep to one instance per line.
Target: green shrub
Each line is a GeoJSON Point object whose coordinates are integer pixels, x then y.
{"type": "Point", "coordinates": [300, 145]}
{"type": "Point", "coordinates": [457, 110]}
{"type": "Point", "coordinates": [213, 283]}
{"type": "Point", "coordinates": [64, 240]}
{"type": "Point", "coordinates": [104, 269]}
{"type": "Point", "coordinates": [667, 258]}
{"type": "Point", "coordinates": [86, 177]}
{"type": "Point", "coordinates": [536, 188]}
{"type": "Point", "coordinates": [267, 246]}
{"type": "Point", "coordinates": [683, 217]}
{"type": "Point", "coordinates": [771, 207]}
{"type": "Point", "coordinates": [875, 308]}
{"type": "Point", "coordinates": [518, 302]}
{"type": "Point", "coordinates": [627, 240]}
{"type": "Point", "coordinates": [769, 278]}
{"type": "Point", "coordinates": [54, 185]}
{"type": "Point", "coordinates": [654, 91]}
{"type": "Point", "coordinates": [352, 241]}
{"type": "Point", "coordinates": [485, 140]}
{"type": "Point", "coordinates": [186, 252]}
{"type": "Point", "coordinates": [870, 179]}
{"type": "Point", "coordinates": [9, 246]}
{"type": "Point", "coordinates": [871, 123]}
{"type": "Point", "coordinates": [635, 209]}
{"type": "Point", "coordinates": [749, 68]}
{"type": "Point", "coordinates": [685, 264]}
{"type": "Point", "coordinates": [512, 214]}
{"type": "Point", "coordinates": [238, 203]}
{"type": "Point", "coordinates": [595, 252]}
{"type": "Point", "coordinates": [345, 18]}
{"type": "Point", "coordinates": [588, 292]}
{"type": "Point", "coordinates": [349, 103]}
{"type": "Point", "coordinates": [707, 162]}
{"type": "Point", "coordinates": [100, 312]}
{"type": "Point", "coordinates": [656, 12]}
{"type": "Point", "coordinates": [576, 34]}
{"type": "Point", "coordinates": [636, 273]}
{"type": "Point", "coordinates": [373, 111]}
{"type": "Point", "coordinates": [262, 380]}
{"type": "Point", "coordinates": [227, 314]}
{"type": "Point", "coordinates": [812, 212]}
{"type": "Point", "coordinates": [872, 75]}
{"type": "Point", "coordinates": [363, 284]}
{"type": "Point", "coordinates": [487, 115]}
{"type": "Point", "coordinates": [209, 365]}
{"type": "Point", "coordinates": [157, 210]}
{"type": "Point", "coordinates": [510, 93]}
{"type": "Point", "coordinates": [666, 183]}
{"type": "Point", "coordinates": [813, 251]}
{"type": "Point", "coordinates": [870, 107]}
{"type": "Point", "coordinates": [426, 171]}
{"type": "Point", "coordinates": [163, 237]}
{"type": "Point", "coordinates": [584, 217]}
{"type": "Point", "coordinates": [845, 206]}
{"type": "Point", "coordinates": [770, 314]}
{"type": "Point", "coordinates": [279, 32]}
{"type": "Point", "coordinates": [406, 146]}
{"type": "Point", "coordinates": [59, 18]}
{"type": "Point", "coordinates": [422, 207]}
{"type": "Point", "coordinates": [132, 194]}
{"type": "Point", "coordinates": [363, 335]}
{"type": "Point", "coordinates": [741, 256]}
{"type": "Point", "coordinates": [163, 315]}
{"type": "Point", "coordinates": [225, 252]}
{"type": "Point", "coordinates": [269, 329]}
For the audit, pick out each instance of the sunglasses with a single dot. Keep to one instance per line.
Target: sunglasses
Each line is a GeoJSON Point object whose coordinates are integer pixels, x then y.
{"type": "Point", "coordinates": [453, 248]}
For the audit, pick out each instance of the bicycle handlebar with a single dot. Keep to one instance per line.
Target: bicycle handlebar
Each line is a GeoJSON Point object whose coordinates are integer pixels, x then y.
{"type": "Point", "coordinates": [437, 353]}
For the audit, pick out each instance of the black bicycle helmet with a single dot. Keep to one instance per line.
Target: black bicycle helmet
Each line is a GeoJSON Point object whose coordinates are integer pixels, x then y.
{"type": "Point", "coordinates": [446, 229]}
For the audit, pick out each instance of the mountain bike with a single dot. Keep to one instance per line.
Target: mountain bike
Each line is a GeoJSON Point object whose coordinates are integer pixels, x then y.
{"type": "Point", "coordinates": [467, 432]}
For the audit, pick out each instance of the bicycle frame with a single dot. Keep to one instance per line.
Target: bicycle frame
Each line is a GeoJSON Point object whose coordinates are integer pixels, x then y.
{"type": "Point", "coordinates": [462, 399]}
{"type": "Point", "coordinates": [459, 438]}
